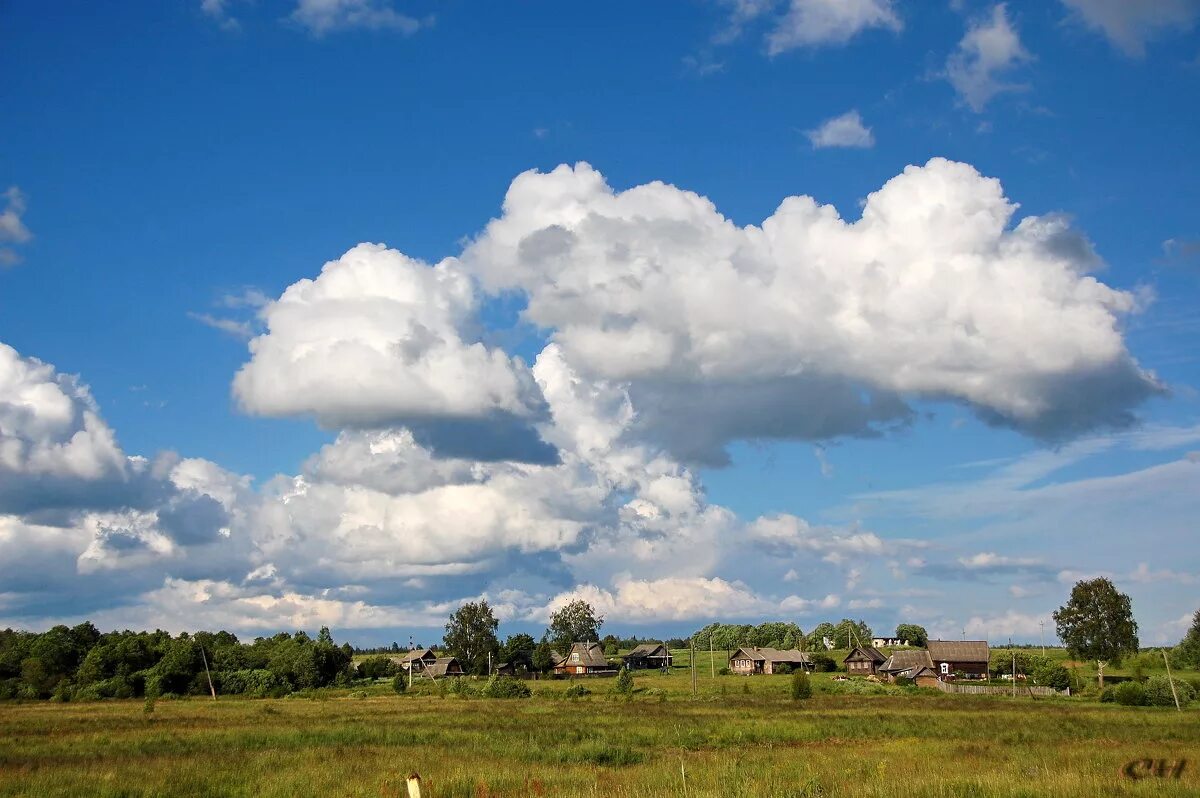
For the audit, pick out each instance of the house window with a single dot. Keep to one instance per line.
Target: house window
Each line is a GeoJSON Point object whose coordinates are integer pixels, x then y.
{"type": "Point", "coordinates": [574, 657]}
{"type": "Point", "coordinates": [945, 668]}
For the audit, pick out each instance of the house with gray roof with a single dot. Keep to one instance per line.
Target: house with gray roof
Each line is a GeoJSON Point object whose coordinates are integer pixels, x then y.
{"type": "Point", "coordinates": [648, 655]}
{"type": "Point", "coordinates": [749, 660]}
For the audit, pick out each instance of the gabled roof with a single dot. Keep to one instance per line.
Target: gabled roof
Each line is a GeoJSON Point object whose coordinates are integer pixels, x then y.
{"type": "Point", "coordinates": [420, 653]}
{"type": "Point", "coordinates": [771, 655]}
{"type": "Point", "coordinates": [648, 650]}
{"type": "Point", "coordinates": [901, 661]}
{"type": "Point", "coordinates": [590, 654]}
{"type": "Point", "coordinates": [958, 650]}
{"type": "Point", "coordinates": [441, 666]}
{"type": "Point", "coordinates": [869, 653]}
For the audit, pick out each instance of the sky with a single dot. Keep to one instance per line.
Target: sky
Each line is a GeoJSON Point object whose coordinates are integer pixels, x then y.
{"type": "Point", "coordinates": [345, 312]}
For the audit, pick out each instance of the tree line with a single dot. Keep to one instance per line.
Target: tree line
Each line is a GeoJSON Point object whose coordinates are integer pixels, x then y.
{"type": "Point", "coordinates": [80, 662]}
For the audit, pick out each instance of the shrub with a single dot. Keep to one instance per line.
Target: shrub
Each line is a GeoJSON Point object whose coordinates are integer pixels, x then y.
{"type": "Point", "coordinates": [801, 686]}
{"type": "Point", "coordinates": [904, 681]}
{"type": "Point", "coordinates": [577, 691]}
{"type": "Point", "coordinates": [783, 669]}
{"type": "Point", "coordinates": [724, 672]}
{"type": "Point", "coordinates": [379, 667]}
{"type": "Point", "coordinates": [1130, 694]}
{"type": "Point", "coordinates": [1158, 692]}
{"type": "Point", "coordinates": [823, 663]}
{"type": "Point", "coordinates": [624, 684]}
{"type": "Point", "coordinates": [255, 682]}
{"type": "Point", "coordinates": [1107, 695]}
{"type": "Point", "coordinates": [148, 705]}
{"type": "Point", "coordinates": [1053, 675]}
{"type": "Point", "coordinates": [400, 682]}
{"type": "Point", "coordinates": [505, 687]}
{"type": "Point", "coordinates": [460, 687]}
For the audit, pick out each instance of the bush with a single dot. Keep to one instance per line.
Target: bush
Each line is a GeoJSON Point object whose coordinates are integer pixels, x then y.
{"type": "Point", "coordinates": [254, 682]}
{"type": "Point", "coordinates": [1107, 695]}
{"type": "Point", "coordinates": [783, 669]}
{"type": "Point", "coordinates": [506, 687]}
{"type": "Point", "coordinates": [460, 687]}
{"type": "Point", "coordinates": [577, 691]}
{"type": "Point", "coordinates": [823, 663]}
{"type": "Point", "coordinates": [1130, 694]}
{"type": "Point", "coordinates": [624, 684]}
{"type": "Point", "coordinates": [400, 682]}
{"type": "Point", "coordinates": [1052, 675]}
{"type": "Point", "coordinates": [378, 667]}
{"type": "Point", "coordinates": [801, 686]}
{"type": "Point", "coordinates": [904, 681]}
{"type": "Point", "coordinates": [1158, 692]}
{"type": "Point", "coordinates": [724, 672]}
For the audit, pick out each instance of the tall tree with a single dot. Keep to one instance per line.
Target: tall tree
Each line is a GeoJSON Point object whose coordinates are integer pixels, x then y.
{"type": "Point", "coordinates": [1097, 623]}
{"type": "Point", "coordinates": [574, 622]}
{"type": "Point", "coordinates": [1187, 653]}
{"type": "Point", "coordinates": [471, 635]}
{"type": "Point", "coordinates": [915, 635]}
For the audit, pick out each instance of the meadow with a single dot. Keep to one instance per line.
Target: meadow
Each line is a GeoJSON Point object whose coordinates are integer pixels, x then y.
{"type": "Point", "coordinates": [738, 736]}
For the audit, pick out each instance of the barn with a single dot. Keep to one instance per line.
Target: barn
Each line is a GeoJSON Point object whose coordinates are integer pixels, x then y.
{"type": "Point", "coordinates": [648, 655]}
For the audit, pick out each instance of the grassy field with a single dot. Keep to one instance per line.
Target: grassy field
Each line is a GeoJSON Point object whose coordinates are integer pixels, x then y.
{"type": "Point", "coordinates": [740, 736]}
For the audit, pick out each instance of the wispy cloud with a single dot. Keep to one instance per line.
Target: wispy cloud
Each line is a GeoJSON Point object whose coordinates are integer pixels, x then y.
{"type": "Point", "coordinates": [12, 228]}
{"type": "Point", "coordinates": [322, 17]}
{"type": "Point", "coordinates": [990, 48]}
{"type": "Point", "coordinates": [238, 329]}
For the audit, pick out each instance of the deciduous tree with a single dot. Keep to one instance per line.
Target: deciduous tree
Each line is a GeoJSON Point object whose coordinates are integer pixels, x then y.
{"type": "Point", "coordinates": [471, 634]}
{"type": "Point", "coordinates": [1097, 623]}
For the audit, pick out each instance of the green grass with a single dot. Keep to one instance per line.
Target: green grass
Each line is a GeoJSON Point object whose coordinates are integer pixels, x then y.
{"type": "Point", "coordinates": [740, 736]}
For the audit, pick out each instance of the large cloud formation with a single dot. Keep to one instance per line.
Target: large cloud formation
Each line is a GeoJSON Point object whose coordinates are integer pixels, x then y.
{"type": "Point", "coordinates": [823, 325]}
{"type": "Point", "coordinates": [670, 332]}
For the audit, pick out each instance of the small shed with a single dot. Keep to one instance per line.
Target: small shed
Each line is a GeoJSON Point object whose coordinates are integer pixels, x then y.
{"type": "Point", "coordinates": [648, 655]}
{"type": "Point", "coordinates": [864, 661]}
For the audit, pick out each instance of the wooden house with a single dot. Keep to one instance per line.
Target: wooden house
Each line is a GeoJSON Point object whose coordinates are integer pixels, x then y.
{"type": "Point", "coordinates": [750, 660]}
{"type": "Point", "coordinates": [417, 660]}
{"type": "Point", "coordinates": [648, 655]}
{"type": "Point", "coordinates": [584, 659]}
{"type": "Point", "coordinates": [907, 664]}
{"type": "Point", "coordinates": [963, 658]}
{"type": "Point", "coordinates": [864, 661]}
{"type": "Point", "coordinates": [442, 667]}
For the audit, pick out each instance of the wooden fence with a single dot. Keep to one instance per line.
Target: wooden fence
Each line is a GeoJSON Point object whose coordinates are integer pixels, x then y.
{"type": "Point", "coordinates": [991, 689]}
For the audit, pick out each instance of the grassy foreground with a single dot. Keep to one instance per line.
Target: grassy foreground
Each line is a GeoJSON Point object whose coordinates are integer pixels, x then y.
{"type": "Point", "coordinates": [727, 742]}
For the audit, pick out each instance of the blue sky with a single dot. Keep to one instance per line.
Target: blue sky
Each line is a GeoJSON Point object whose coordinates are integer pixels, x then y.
{"type": "Point", "coordinates": [565, 404]}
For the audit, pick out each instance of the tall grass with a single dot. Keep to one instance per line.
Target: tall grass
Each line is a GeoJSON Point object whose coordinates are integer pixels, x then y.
{"type": "Point", "coordinates": [904, 741]}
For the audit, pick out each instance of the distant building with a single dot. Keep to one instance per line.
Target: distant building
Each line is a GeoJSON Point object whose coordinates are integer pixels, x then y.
{"type": "Point", "coordinates": [417, 660]}
{"type": "Point", "coordinates": [442, 667]}
{"type": "Point", "coordinates": [966, 657]}
{"type": "Point", "coordinates": [864, 661]}
{"type": "Point", "coordinates": [888, 642]}
{"type": "Point", "coordinates": [943, 659]}
{"type": "Point", "coordinates": [751, 659]}
{"type": "Point", "coordinates": [648, 655]}
{"type": "Point", "coordinates": [584, 659]}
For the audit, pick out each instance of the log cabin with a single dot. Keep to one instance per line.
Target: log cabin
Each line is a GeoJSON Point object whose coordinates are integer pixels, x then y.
{"type": "Point", "coordinates": [864, 661]}
{"type": "Point", "coordinates": [751, 659]}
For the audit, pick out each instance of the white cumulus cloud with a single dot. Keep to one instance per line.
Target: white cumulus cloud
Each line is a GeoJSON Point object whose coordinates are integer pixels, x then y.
{"type": "Point", "coordinates": [815, 23]}
{"type": "Point", "coordinates": [846, 130]}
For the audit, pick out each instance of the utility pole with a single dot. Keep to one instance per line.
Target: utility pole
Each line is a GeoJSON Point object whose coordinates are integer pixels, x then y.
{"type": "Point", "coordinates": [692, 642]}
{"type": "Point", "coordinates": [213, 690]}
{"type": "Point", "coordinates": [1042, 629]}
{"type": "Point", "coordinates": [1014, 673]}
{"type": "Point", "coordinates": [1171, 682]}
{"type": "Point", "coordinates": [410, 664]}
{"type": "Point", "coordinates": [712, 662]}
